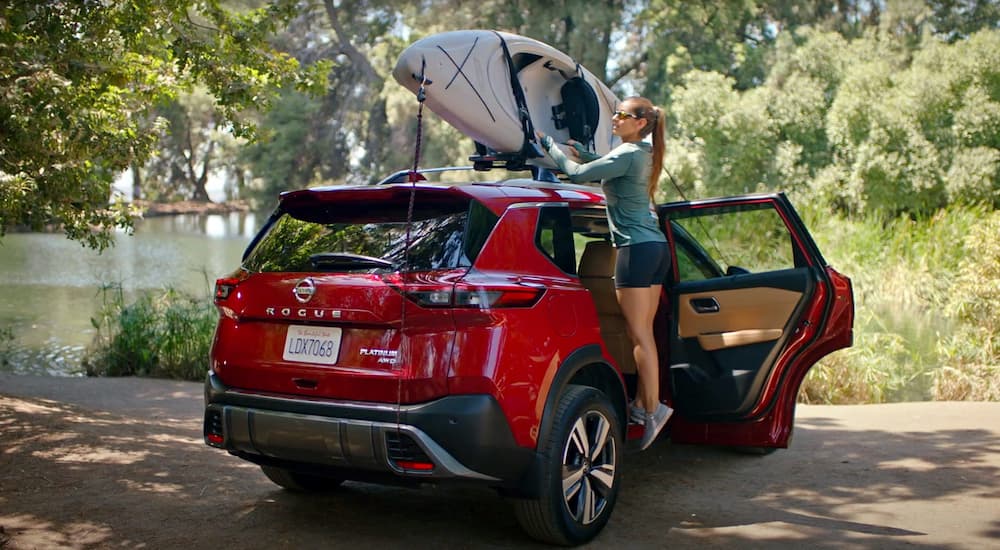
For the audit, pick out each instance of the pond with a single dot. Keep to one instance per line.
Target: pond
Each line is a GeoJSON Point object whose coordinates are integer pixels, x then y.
{"type": "Point", "coordinates": [50, 287]}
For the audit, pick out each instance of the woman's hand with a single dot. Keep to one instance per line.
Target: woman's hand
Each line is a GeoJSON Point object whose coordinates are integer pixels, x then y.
{"type": "Point", "coordinates": [543, 140]}
{"type": "Point", "coordinates": [574, 153]}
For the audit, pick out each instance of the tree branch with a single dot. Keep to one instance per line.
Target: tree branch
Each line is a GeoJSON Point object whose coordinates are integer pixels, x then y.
{"type": "Point", "coordinates": [357, 58]}
{"type": "Point", "coordinates": [625, 70]}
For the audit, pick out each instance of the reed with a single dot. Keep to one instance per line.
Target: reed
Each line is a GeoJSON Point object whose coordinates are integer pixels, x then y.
{"type": "Point", "coordinates": [166, 335]}
{"type": "Point", "coordinates": [924, 291]}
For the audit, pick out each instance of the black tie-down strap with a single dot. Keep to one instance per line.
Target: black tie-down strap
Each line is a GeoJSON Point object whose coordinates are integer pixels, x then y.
{"type": "Point", "coordinates": [528, 147]}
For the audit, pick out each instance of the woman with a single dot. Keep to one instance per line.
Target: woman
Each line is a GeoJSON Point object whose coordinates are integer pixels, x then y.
{"type": "Point", "coordinates": [629, 176]}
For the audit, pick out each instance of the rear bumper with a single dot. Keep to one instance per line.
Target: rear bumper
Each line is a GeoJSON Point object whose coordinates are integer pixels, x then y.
{"type": "Point", "coordinates": [463, 437]}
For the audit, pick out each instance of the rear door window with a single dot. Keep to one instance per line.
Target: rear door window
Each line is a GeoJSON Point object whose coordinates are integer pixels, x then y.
{"type": "Point", "coordinates": [749, 238]}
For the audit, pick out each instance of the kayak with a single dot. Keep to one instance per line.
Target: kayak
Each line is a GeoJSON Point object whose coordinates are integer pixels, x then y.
{"type": "Point", "coordinates": [498, 88]}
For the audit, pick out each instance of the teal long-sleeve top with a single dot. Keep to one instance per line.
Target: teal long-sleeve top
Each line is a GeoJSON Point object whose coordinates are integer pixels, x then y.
{"type": "Point", "coordinates": [623, 173]}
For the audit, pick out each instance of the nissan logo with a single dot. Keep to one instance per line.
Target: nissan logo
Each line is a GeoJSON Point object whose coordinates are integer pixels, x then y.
{"type": "Point", "coordinates": [304, 290]}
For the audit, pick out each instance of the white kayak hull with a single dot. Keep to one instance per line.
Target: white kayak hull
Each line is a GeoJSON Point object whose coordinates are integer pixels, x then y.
{"type": "Point", "coordinates": [470, 88]}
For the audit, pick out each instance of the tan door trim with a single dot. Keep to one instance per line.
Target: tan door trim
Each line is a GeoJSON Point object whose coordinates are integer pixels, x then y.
{"type": "Point", "coordinates": [750, 309]}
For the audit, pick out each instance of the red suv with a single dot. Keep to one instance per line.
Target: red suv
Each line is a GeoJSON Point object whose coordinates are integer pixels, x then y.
{"type": "Point", "coordinates": [435, 332]}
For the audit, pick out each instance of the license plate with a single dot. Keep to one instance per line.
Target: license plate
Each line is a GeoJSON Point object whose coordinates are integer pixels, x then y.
{"type": "Point", "coordinates": [306, 344]}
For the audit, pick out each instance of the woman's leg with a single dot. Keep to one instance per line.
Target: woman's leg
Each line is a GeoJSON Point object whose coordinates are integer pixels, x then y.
{"type": "Point", "coordinates": [639, 309]}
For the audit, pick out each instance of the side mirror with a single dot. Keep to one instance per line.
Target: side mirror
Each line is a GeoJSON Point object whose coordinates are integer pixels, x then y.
{"type": "Point", "coordinates": [736, 270]}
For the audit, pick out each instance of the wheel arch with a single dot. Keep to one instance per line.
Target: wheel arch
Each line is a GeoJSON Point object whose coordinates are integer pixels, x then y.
{"type": "Point", "coordinates": [586, 366]}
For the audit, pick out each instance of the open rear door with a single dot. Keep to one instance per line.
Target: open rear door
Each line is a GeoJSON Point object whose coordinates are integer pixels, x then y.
{"type": "Point", "coordinates": [750, 306]}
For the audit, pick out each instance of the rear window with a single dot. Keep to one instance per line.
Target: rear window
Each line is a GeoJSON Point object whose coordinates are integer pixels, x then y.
{"type": "Point", "coordinates": [371, 239]}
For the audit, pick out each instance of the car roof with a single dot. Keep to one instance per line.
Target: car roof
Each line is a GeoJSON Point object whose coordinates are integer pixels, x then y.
{"type": "Point", "coordinates": [495, 195]}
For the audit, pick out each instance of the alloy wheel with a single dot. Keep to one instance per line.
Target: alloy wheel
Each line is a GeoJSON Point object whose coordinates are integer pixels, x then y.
{"type": "Point", "coordinates": [588, 467]}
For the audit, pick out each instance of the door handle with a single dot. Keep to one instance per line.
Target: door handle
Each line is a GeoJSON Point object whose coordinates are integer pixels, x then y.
{"type": "Point", "coordinates": [705, 305]}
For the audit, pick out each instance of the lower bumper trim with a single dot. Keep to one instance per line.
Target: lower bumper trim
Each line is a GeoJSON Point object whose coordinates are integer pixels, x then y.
{"type": "Point", "coordinates": [327, 441]}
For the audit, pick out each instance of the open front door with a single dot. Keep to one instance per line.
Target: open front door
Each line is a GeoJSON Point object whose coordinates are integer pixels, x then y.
{"type": "Point", "coordinates": [749, 301]}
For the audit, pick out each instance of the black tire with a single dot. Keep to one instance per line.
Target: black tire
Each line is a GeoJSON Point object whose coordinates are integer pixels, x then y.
{"type": "Point", "coordinates": [584, 420]}
{"type": "Point", "coordinates": [300, 482]}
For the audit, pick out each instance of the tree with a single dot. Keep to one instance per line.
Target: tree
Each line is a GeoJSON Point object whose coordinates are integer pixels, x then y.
{"type": "Point", "coordinates": [78, 81]}
{"type": "Point", "coordinates": [192, 146]}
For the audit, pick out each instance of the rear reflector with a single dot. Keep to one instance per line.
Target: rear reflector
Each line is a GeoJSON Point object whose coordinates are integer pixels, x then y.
{"type": "Point", "coordinates": [419, 466]}
{"type": "Point", "coordinates": [404, 452]}
{"type": "Point", "coordinates": [213, 427]}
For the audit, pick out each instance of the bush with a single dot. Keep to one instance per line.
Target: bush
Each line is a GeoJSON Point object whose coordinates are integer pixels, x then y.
{"type": "Point", "coordinates": [971, 355]}
{"type": "Point", "coordinates": [927, 296]}
{"type": "Point", "coordinates": [166, 335]}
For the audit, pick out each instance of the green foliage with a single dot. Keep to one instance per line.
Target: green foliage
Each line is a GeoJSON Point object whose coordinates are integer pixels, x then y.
{"type": "Point", "coordinates": [193, 146]}
{"type": "Point", "coordinates": [971, 355]}
{"type": "Point", "coordinates": [732, 129]}
{"type": "Point", "coordinates": [292, 152]}
{"type": "Point", "coordinates": [973, 177]}
{"type": "Point", "coordinates": [927, 305]}
{"type": "Point", "coordinates": [975, 296]}
{"type": "Point", "coordinates": [78, 80]}
{"type": "Point", "coordinates": [879, 125]}
{"type": "Point", "coordinates": [167, 335]}
{"type": "Point", "coordinates": [879, 368]}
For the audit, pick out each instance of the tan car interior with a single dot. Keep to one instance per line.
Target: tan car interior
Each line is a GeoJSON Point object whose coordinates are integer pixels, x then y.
{"type": "Point", "coordinates": [597, 271]}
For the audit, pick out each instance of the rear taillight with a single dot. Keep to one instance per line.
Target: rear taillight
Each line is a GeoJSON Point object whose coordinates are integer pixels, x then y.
{"type": "Point", "coordinates": [476, 297]}
{"type": "Point", "coordinates": [225, 286]}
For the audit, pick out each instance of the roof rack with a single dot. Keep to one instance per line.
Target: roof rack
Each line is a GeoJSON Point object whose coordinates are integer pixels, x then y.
{"type": "Point", "coordinates": [403, 176]}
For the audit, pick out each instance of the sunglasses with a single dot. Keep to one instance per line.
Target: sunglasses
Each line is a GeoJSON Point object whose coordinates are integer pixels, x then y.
{"type": "Point", "coordinates": [622, 115]}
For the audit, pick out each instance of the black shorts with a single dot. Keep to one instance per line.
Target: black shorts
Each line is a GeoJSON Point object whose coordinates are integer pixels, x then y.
{"type": "Point", "coordinates": [642, 265]}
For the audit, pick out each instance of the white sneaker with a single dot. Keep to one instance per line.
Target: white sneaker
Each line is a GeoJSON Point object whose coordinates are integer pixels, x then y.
{"type": "Point", "coordinates": [655, 422]}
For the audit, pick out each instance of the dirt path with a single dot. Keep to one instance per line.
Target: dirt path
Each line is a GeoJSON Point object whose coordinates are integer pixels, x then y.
{"type": "Point", "coordinates": [119, 463]}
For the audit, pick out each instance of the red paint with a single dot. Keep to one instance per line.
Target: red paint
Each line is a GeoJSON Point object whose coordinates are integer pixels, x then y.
{"type": "Point", "coordinates": [399, 346]}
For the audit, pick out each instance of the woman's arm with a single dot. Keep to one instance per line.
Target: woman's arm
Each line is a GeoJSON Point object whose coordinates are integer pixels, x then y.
{"type": "Point", "coordinates": [582, 152]}
{"type": "Point", "coordinates": [612, 165]}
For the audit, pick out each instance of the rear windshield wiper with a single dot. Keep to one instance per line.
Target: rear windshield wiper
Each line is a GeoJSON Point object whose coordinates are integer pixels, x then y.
{"type": "Point", "coordinates": [346, 260]}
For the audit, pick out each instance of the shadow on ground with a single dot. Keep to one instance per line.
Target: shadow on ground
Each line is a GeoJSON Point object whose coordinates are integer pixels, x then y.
{"type": "Point", "coordinates": [74, 478]}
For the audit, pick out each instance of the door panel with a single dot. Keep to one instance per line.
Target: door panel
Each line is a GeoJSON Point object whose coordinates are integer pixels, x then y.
{"type": "Point", "coordinates": [719, 360]}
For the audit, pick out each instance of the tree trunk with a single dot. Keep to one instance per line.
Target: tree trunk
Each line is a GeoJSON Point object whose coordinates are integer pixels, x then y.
{"type": "Point", "coordinates": [136, 182]}
{"type": "Point", "coordinates": [198, 183]}
{"type": "Point", "coordinates": [376, 146]}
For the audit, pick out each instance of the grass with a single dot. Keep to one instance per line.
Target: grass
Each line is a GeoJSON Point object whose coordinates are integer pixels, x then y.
{"type": "Point", "coordinates": [927, 308]}
{"type": "Point", "coordinates": [6, 345]}
{"type": "Point", "coordinates": [165, 335]}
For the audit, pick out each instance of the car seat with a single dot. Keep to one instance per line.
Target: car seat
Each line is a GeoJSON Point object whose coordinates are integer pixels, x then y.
{"type": "Point", "coordinates": [597, 269]}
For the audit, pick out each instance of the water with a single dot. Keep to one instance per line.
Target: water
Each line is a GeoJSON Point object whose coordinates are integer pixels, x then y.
{"type": "Point", "coordinates": [50, 286]}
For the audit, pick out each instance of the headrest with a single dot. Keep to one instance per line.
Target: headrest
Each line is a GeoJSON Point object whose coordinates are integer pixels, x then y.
{"type": "Point", "coordinates": [598, 260]}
